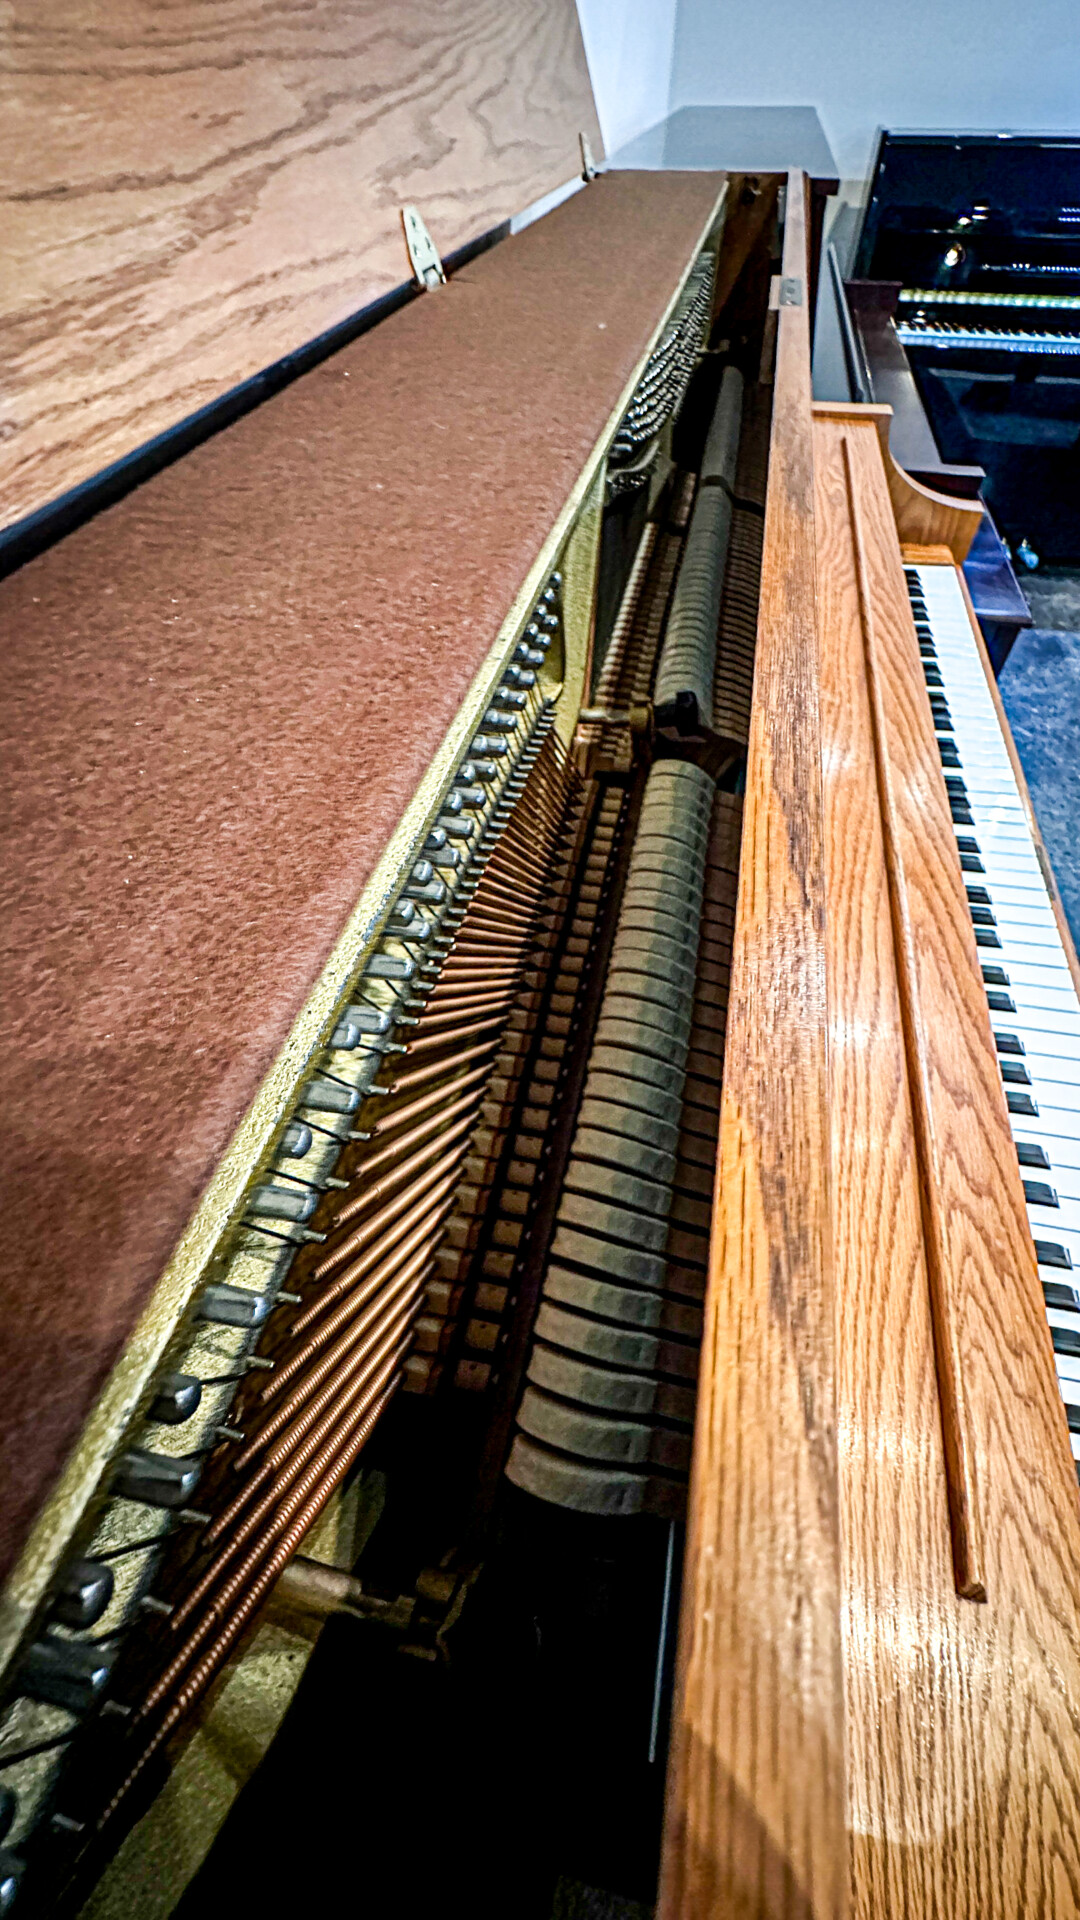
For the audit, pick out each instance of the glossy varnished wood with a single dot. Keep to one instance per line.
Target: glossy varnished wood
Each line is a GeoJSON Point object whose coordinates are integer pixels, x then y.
{"type": "Point", "coordinates": [755, 1821]}
{"type": "Point", "coordinates": [192, 191]}
{"type": "Point", "coordinates": [922, 517]}
{"type": "Point", "coordinates": [962, 1718]}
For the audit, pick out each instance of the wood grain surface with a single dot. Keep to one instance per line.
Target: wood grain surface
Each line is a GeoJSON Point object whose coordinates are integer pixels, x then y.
{"type": "Point", "coordinates": [755, 1819]}
{"type": "Point", "coordinates": [962, 1719]}
{"type": "Point", "coordinates": [922, 517]}
{"type": "Point", "coordinates": [193, 190]}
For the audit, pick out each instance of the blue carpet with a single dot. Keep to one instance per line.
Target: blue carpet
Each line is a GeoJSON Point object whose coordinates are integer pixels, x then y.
{"type": "Point", "coordinates": [1040, 688]}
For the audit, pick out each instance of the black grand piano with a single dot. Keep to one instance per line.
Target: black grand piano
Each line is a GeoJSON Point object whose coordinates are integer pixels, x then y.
{"type": "Point", "coordinates": [965, 304]}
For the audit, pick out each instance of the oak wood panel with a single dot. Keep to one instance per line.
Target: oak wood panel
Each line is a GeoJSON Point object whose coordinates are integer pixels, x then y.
{"type": "Point", "coordinates": [194, 190]}
{"type": "Point", "coordinates": [911, 921]}
{"type": "Point", "coordinates": [922, 517]}
{"type": "Point", "coordinates": [755, 1818]}
{"type": "Point", "coordinates": [963, 1719]}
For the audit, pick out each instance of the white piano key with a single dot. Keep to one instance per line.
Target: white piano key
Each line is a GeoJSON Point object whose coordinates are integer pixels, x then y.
{"type": "Point", "coordinates": [1051, 1223]}
{"type": "Point", "coordinates": [1037, 1043]}
{"type": "Point", "coordinates": [1047, 984]}
{"type": "Point", "coordinates": [1020, 930]}
{"type": "Point", "coordinates": [1055, 1028]}
{"type": "Point", "coordinates": [1064, 1179]}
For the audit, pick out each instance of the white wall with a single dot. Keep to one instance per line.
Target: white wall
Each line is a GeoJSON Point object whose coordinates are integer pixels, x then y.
{"type": "Point", "coordinates": [629, 45]}
{"type": "Point", "coordinates": [966, 64]}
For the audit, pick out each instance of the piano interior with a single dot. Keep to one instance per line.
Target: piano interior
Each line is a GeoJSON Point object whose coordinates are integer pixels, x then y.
{"type": "Point", "coordinates": [601, 1448]}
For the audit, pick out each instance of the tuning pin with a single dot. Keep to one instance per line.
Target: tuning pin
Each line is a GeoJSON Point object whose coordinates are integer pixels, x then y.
{"type": "Point", "coordinates": [500, 722]}
{"type": "Point", "coordinates": [345, 1037]}
{"type": "Point", "coordinates": [520, 677]}
{"type": "Point", "coordinates": [406, 924]}
{"type": "Point", "coordinates": [234, 1306]}
{"type": "Point", "coordinates": [86, 1587]}
{"type": "Point", "coordinates": [483, 745]}
{"type": "Point", "coordinates": [296, 1140]}
{"type": "Point", "coordinates": [370, 1019]}
{"type": "Point", "coordinates": [66, 1673]}
{"type": "Point", "coordinates": [443, 856]}
{"type": "Point", "coordinates": [176, 1398]}
{"type": "Point", "coordinates": [10, 1875]}
{"type": "Point", "coordinates": [389, 966]}
{"type": "Point", "coordinates": [509, 697]}
{"type": "Point", "coordinates": [283, 1203]}
{"type": "Point", "coordinates": [158, 1479]}
{"type": "Point", "coordinates": [432, 892]}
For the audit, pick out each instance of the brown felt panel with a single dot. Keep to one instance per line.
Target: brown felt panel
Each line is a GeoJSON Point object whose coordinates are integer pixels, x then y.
{"type": "Point", "coordinates": [219, 697]}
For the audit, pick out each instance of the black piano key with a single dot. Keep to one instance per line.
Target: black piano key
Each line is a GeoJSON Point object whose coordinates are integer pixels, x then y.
{"type": "Point", "coordinates": [1049, 1254]}
{"type": "Point", "coordinates": [943, 724]}
{"type": "Point", "coordinates": [1021, 1103]}
{"type": "Point", "coordinates": [1016, 1074]}
{"type": "Point", "coordinates": [962, 815]}
{"type": "Point", "coordinates": [949, 755]}
{"type": "Point", "coordinates": [967, 845]}
{"type": "Point", "coordinates": [978, 897]}
{"type": "Point", "coordinates": [995, 976]}
{"type": "Point", "coordinates": [1030, 1155]}
{"type": "Point", "coordinates": [1066, 1342]}
{"type": "Point", "coordinates": [955, 786]}
{"type": "Point", "coordinates": [986, 937]}
{"type": "Point", "coordinates": [1038, 1194]}
{"type": "Point", "coordinates": [971, 863]}
{"type": "Point", "coordinates": [1000, 1003]}
{"type": "Point", "coordinates": [1062, 1298]}
{"type": "Point", "coordinates": [1008, 1043]}
{"type": "Point", "coordinates": [1072, 1415]}
{"type": "Point", "coordinates": [983, 916]}
{"type": "Point", "coordinates": [932, 677]}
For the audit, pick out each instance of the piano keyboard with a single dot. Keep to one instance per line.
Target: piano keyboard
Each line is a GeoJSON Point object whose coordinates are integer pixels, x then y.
{"type": "Point", "coordinates": [975, 297]}
{"type": "Point", "coordinates": [937, 333]}
{"type": "Point", "coordinates": [1033, 1000]}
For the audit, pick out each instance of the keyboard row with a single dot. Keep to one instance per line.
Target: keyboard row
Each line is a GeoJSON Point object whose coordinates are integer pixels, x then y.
{"type": "Point", "coordinates": [1030, 988]}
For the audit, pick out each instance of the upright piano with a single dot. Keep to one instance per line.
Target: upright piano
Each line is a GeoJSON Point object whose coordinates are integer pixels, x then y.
{"type": "Point", "coordinates": [545, 1141]}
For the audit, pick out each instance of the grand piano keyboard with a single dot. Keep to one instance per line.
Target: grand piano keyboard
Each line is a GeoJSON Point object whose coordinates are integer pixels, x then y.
{"type": "Point", "coordinates": [1033, 999]}
{"type": "Point", "coordinates": [1007, 322]}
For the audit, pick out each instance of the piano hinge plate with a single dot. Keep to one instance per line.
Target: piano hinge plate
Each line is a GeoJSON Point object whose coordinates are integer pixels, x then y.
{"type": "Point", "coordinates": [424, 257]}
{"type": "Point", "coordinates": [588, 164]}
{"type": "Point", "coordinates": [791, 291]}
